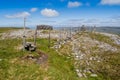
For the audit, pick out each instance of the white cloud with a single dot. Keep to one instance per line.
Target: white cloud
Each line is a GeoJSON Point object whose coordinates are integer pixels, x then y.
{"type": "Point", "coordinates": [33, 9]}
{"type": "Point", "coordinates": [18, 15]}
{"type": "Point", "coordinates": [49, 12]}
{"type": "Point", "coordinates": [74, 4]}
{"type": "Point", "coordinates": [110, 2]}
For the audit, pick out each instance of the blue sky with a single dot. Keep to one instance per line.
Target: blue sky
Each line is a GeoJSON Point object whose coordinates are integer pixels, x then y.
{"type": "Point", "coordinates": [60, 12]}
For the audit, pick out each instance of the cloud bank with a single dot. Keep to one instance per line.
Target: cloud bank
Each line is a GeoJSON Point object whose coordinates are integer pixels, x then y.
{"type": "Point", "coordinates": [49, 12]}
{"type": "Point", "coordinates": [110, 2]}
{"type": "Point", "coordinates": [74, 4]}
{"type": "Point", "coordinates": [18, 15]}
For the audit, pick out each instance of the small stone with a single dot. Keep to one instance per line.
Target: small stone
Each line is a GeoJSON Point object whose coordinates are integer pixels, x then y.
{"type": "Point", "coordinates": [84, 71]}
{"type": "Point", "coordinates": [93, 75]}
{"type": "Point", "coordinates": [91, 58]}
{"type": "Point", "coordinates": [0, 59]}
{"type": "Point", "coordinates": [80, 74]}
{"type": "Point", "coordinates": [77, 56]}
{"type": "Point", "coordinates": [77, 70]}
{"type": "Point", "coordinates": [98, 61]}
{"type": "Point", "coordinates": [84, 75]}
{"type": "Point", "coordinates": [88, 72]}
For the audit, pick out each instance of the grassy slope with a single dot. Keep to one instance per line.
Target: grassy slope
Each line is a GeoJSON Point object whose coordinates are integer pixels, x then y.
{"type": "Point", "coordinates": [12, 67]}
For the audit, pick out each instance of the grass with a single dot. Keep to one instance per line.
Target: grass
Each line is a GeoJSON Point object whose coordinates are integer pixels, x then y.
{"type": "Point", "coordinates": [100, 37]}
{"type": "Point", "coordinates": [58, 67]}
{"type": "Point", "coordinates": [12, 67]}
{"type": "Point", "coordinates": [6, 29]}
{"type": "Point", "coordinates": [109, 68]}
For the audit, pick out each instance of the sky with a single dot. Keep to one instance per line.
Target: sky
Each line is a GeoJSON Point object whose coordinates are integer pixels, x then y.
{"type": "Point", "coordinates": [60, 12]}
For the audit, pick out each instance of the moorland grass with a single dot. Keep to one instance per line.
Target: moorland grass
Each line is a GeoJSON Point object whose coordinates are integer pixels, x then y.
{"type": "Point", "coordinates": [12, 67]}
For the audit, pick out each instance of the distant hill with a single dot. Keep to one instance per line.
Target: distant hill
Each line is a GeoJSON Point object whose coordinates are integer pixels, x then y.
{"type": "Point", "coordinates": [4, 29]}
{"type": "Point", "coordinates": [13, 28]}
{"type": "Point", "coordinates": [113, 30]}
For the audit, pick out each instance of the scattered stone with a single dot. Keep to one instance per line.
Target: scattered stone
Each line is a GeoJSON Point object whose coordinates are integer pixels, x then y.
{"type": "Point", "coordinates": [98, 61]}
{"type": "Point", "coordinates": [82, 48]}
{"type": "Point", "coordinates": [84, 75]}
{"type": "Point", "coordinates": [1, 59]}
{"type": "Point", "coordinates": [79, 74]}
{"type": "Point", "coordinates": [30, 34]}
{"type": "Point", "coordinates": [93, 75]}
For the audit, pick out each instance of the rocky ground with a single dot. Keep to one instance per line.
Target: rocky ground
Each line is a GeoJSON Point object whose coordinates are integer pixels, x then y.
{"type": "Point", "coordinates": [30, 34]}
{"type": "Point", "coordinates": [113, 37]}
{"type": "Point", "coordinates": [89, 53]}
{"type": "Point", "coordinates": [82, 48]}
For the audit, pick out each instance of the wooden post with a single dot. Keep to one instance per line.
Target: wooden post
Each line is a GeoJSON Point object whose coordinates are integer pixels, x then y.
{"type": "Point", "coordinates": [94, 29]}
{"type": "Point", "coordinates": [49, 40]}
{"type": "Point", "coordinates": [35, 36]}
{"type": "Point", "coordinates": [78, 29]}
{"type": "Point", "coordinates": [24, 41]}
{"type": "Point", "coordinates": [60, 34]}
{"type": "Point", "coordinates": [64, 33]}
{"type": "Point", "coordinates": [70, 32]}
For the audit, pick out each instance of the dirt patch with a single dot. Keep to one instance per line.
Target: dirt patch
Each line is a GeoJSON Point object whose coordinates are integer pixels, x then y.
{"type": "Point", "coordinates": [41, 59]}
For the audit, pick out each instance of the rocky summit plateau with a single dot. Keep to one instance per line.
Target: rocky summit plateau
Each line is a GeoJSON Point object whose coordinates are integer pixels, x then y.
{"type": "Point", "coordinates": [80, 55]}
